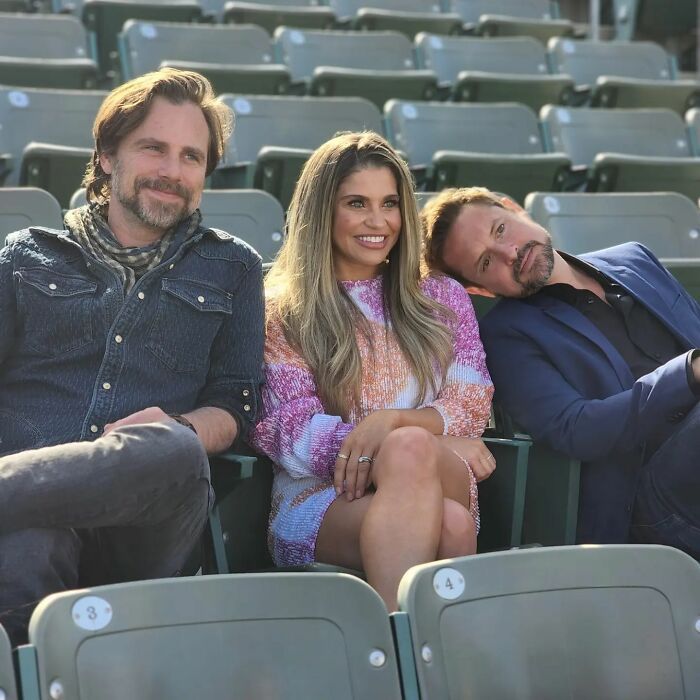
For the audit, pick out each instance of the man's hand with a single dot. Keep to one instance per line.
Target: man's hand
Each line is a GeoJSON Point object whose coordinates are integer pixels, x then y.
{"type": "Point", "coordinates": [152, 414]}
{"type": "Point", "coordinates": [695, 366]}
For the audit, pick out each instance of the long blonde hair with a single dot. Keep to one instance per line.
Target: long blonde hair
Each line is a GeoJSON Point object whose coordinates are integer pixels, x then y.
{"type": "Point", "coordinates": [318, 316]}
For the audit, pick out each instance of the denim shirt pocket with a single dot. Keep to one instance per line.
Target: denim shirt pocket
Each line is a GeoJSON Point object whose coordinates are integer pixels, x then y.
{"type": "Point", "coordinates": [57, 311]}
{"type": "Point", "coordinates": [187, 319]}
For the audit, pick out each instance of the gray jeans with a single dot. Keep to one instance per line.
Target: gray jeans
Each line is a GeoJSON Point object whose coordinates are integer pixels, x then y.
{"type": "Point", "coordinates": [131, 505]}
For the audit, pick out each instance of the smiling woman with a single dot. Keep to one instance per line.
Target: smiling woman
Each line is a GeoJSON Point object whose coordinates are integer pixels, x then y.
{"type": "Point", "coordinates": [376, 388]}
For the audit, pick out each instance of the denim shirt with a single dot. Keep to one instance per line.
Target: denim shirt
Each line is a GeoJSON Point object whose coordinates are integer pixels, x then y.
{"type": "Point", "coordinates": [76, 354]}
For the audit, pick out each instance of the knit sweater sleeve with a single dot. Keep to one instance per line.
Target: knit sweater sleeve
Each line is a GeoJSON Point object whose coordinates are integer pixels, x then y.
{"type": "Point", "coordinates": [464, 401]}
{"type": "Point", "coordinates": [293, 430]}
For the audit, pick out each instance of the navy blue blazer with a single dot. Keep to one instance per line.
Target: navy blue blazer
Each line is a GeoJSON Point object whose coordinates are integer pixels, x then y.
{"type": "Point", "coordinates": [562, 380]}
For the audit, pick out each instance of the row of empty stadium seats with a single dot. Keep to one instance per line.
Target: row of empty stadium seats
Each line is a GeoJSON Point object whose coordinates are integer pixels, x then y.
{"type": "Point", "coordinates": [579, 622]}
{"type": "Point", "coordinates": [51, 51]}
{"type": "Point", "coordinates": [45, 139]}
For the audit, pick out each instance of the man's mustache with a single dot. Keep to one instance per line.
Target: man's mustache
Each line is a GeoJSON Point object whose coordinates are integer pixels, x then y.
{"type": "Point", "coordinates": [162, 186]}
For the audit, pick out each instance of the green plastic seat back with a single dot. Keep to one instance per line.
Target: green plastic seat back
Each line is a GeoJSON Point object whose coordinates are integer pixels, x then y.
{"type": "Point", "coordinates": [8, 685]}
{"type": "Point", "coordinates": [692, 120]}
{"type": "Point", "coordinates": [420, 129]}
{"type": "Point", "coordinates": [254, 216]}
{"type": "Point", "coordinates": [471, 10]}
{"type": "Point", "coordinates": [666, 222]}
{"type": "Point", "coordinates": [42, 36]}
{"type": "Point", "coordinates": [62, 117]}
{"type": "Point", "coordinates": [293, 122]}
{"type": "Point", "coordinates": [585, 61]}
{"type": "Point", "coordinates": [246, 636]}
{"type": "Point", "coordinates": [583, 132]}
{"type": "Point", "coordinates": [147, 44]}
{"type": "Point", "coordinates": [656, 19]}
{"type": "Point", "coordinates": [615, 621]}
{"type": "Point", "coordinates": [21, 207]}
{"type": "Point", "coordinates": [448, 56]}
{"type": "Point", "coordinates": [304, 50]}
{"type": "Point", "coordinates": [350, 8]}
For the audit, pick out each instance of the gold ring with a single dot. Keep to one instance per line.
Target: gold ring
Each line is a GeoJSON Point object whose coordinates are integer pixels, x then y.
{"type": "Point", "coordinates": [342, 456]}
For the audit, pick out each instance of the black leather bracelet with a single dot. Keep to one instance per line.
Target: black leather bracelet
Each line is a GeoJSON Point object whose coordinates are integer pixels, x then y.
{"type": "Point", "coordinates": [183, 421]}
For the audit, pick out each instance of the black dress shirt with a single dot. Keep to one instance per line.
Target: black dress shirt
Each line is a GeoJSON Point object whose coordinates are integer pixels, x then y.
{"type": "Point", "coordinates": [642, 340]}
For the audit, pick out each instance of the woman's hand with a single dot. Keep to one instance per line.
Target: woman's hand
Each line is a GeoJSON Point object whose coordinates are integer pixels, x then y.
{"type": "Point", "coordinates": [353, 475]}
{"type": "Point", "coordinates": [475, 452]}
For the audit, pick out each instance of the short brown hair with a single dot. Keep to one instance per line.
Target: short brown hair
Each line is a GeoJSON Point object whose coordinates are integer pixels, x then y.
{"type": "Point", "coordinates": [440, 213]}
{"type": "Point", "coordinates": [126, 107]}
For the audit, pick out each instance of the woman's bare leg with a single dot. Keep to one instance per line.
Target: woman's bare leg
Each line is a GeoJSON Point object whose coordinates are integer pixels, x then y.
{"type": "Point", "coordinates": [458, 534]}
{"type": "Point", "coordinates": [399, 525]}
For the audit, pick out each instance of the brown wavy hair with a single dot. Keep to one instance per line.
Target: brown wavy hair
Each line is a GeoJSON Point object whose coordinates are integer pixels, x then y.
{"type": "Point", "coordinates": [126, 107]}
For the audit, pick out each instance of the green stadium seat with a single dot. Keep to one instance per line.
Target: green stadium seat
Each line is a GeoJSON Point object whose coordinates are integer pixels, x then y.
{"type": "Point", "coordinates": [234, 58]}
{"type": "Point", "coordinates": [495, 145]}
{"type": "Point", "coordinates": [245, 636]}
{"type": "Point", "coordinates": [15, 6]}
{"type": "Point", "coordinates": [624, 74]}
{"type": "Point", "coordinates": [104, 20]}
{"type": "Point", "coordinates": [509, 69]}
{"type": "Point", "coordinates": [46, 137]}
{"type": "Point", "coordinates": [21, 207]}
{"type": "Point", "coordinates": [406, 16]}
{"type": "Point", "coordinates": [373, 65]}
{"type": "Point", "coordinates": [277, 13]}
{"type": "Point", "coordinates": [535, 18]}
{"type": "Point", "coordinates": [666, 222]}
{"type": "Point", "coordinates": [625, 150]}
{"type": "Point", "coordinates": [45, 51]}
{"type": "Point", "coordinates": [8, 685]}
{"type": "Point", "coordinates": [692, 120]}
{"type": "Point", "coordinates": [593, 621]}
{"type": "Point", "coordinates": [274, 136]}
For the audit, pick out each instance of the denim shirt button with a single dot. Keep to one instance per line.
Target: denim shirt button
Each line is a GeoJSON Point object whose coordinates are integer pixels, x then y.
{"type": "Point", "coordinates": [246, 407]}
{"type": "Point", "coordinates": [118, 339]}
{"type": "Point", "coordinates": [106, 386]}
{"type": "Point", "coordinates": [246, 392]}
{"type": "Point", "coordinates": [52, 286]}
{"type": "Point", "coordinates": [93, 428]}
{"type": "Point", "coordinates": [171, 266]}
{"type": "Point", "coordinates": [141, 295]}
{"type": "Point", "coordinates": [200, 299]}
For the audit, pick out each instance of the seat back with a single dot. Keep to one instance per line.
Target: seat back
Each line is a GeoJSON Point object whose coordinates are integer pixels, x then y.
{"type": "Point", "coordinates": [21, 207]}
{"type": "Point", "coordinates": [349, 8]}
{"type": "Point", "coordinates": [42, 36]}
{"type": "Point", "coordinates": [62, 117]}
{"type": "Point", "coordinates": [245, 636]}
{"type": "Point", "coordinates": [471, 10]}
{"type": "Point", "coordinates": [585, 61]}
{"type": "Point", "coordinates": [421, 129]}
{"type": "Point", "coordinates": [304, 50]}
{"type": "Point", "coordinates": [557, 622]}
{"type": "Point", "coordinates": [583, 132]}
{"type": "Point", "coordinates": [692, 120]}
{"type": "Point", "coordinates": [8, 685]}
{"type": "Point", "coordinates": [666, 222]}
{"type": "Point", "coordinates": [144, 45]}
{"type": "Point", "coordinates": [293, 122]}
{"type": "Point", "coordinates": [654, 19]}
{"type": "Point", "coordinates": [448, 56]}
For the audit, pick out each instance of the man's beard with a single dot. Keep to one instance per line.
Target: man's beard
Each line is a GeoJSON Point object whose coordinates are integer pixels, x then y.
{"type": "Point", "coordinates": [154, 214]}
{"type": "Point", "coordinates": [541, 268]}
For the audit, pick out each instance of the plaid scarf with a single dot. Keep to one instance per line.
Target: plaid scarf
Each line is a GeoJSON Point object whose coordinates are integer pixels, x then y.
{"type": "Point", "coordinates": [90, 229]}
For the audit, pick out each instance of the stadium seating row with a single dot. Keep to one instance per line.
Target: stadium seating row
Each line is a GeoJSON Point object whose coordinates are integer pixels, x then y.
{"type": "Point", "coordinates": [52, 51]}
{"type": "Point", "coordinates": [579, 622]}
{"type": "Point", "coordinates": [45, 141]}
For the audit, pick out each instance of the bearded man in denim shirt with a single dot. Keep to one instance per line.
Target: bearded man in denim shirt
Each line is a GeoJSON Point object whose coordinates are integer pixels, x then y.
{"type": "Point", "coordinates": [130, 348]}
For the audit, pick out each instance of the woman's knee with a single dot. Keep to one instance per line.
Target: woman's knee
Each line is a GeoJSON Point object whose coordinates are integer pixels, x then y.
{"type": "Point", "coordinates": [408, 454]}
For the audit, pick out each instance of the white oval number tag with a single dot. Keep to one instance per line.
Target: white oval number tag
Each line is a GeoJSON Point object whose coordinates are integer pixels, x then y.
{"type": "Point", "coordinates": [91, 613]}
{"type": "Point", "coordinates": [448, 583]}
{"type": "Point", "coordinates": [242, 106]}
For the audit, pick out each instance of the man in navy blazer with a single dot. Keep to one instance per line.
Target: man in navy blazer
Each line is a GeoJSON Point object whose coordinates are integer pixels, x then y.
{"type": "Point", "coordinates": [595, 354]}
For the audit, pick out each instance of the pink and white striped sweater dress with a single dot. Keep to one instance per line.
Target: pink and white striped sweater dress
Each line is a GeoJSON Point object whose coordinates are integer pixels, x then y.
{"type": "Point", "coordinates": [303, 440]}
